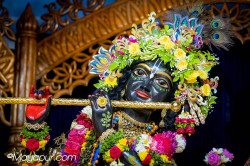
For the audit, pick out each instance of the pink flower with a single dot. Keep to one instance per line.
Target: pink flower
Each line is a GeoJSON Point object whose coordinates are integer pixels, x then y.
{"type": "Point", "coordinates": [228, 154]}
{"type": "Point", "coordinates": [120, 52]}
{"type": "Point", "coordinates": [189, 129]}
{"type": "Point", "coordinates": [180, 131]}
{"type": "Point", "coordinates": [120, 37]}
{"type": "Point", "coordinates": [213, 159]}
{"type": "Point", "coordinates": [133, 40]}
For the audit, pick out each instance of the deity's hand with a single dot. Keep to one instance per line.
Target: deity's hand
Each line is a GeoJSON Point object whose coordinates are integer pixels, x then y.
{"type": "Point", "coordinates": [102, 112]}
{"type": "Point", "coordinates": [36, 113]}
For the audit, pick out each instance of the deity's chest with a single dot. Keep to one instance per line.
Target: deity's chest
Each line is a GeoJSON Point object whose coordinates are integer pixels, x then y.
{"type": "Point", "coordinates": [129, 126]}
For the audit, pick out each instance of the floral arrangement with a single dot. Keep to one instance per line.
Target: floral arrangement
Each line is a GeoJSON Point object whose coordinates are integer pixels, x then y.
{"type": "Point", "coordinates": [176, 44]}
{"type": "Point", "coordinates": [113, 146]}
{"type": "Point", "coordinates": [77, 139]}
{"type": "Point", "coordinates": [184, 124]}
{"type": "Point", "coordinates": [34, 140]}
{"type": "Point", "coordinates": [158, 150]}
{"type": "Point", "coordinates": [36, 163]}
{"type": "Point", "coordinates": [218, 156]}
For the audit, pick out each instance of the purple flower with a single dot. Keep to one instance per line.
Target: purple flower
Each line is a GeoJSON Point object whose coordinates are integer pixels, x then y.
{"type": "Point", "coordinates": [213, 159]}
{"type": "Point", "coordinates": [228, 154]}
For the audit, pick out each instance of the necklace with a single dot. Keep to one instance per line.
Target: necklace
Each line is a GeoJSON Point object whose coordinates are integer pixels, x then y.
{"type": "Point", "coordinates": [133, 128]}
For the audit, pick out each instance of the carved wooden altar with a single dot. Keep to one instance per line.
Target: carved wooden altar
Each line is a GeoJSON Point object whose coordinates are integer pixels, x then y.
{"type": "Point", "coordinates": [56, 53]}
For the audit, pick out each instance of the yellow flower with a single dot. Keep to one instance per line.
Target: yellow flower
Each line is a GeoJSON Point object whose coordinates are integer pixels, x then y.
{"type": "Point", "coordinates": [102, 101]}
{"type": "Point", "coordinates": [164, 39]}
{"type": "Point", "coordinates": [134, 48]}
{"type": "Point", "coordinates": [123, 141]}
{"type": "Point", "coordinates": [121, 147]}
{"type": "Point", "coordinates": [143, 155]}
{"type": "Point", "coordinates": [110, 81]}
{"type": "Point", "coordinates": [192, 77]}
{"type": "Point", "coordinates": [179, 54]}
{"type": "Point", "coordinates": [182, 65]}
{"type": "Point", "coordinates": [205, 89]}
{"type": "Point", "coordinates": [203, 75]}
{"type": "Point", "coordinates": [165, 158]}
{"type": "Point", "coordinates": [83, 145]}
{"type": "Point", "coordinates": [24, 142]}
{"type": "Point", "coordinates": [169, 45]}
{"type": "Point", "coordinates": [87, 134]}
{"type": "Point", "coordinates": [109, 160]}
{"type": "Point", "coordinates": [25, 164]}
{"type": "Point", "coordinates": [151, 162]}
{"type": "Point", "coordinates": [40, 164]}
{"type": "Point", "coordinates": [42, 143]}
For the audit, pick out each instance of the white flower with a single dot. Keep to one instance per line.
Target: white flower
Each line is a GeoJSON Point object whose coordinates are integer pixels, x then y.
{"type": "Point", "coordinates": [206, 159]}
{"type": "Point", "coordinates": [78, 126]}
{"type": "Point", "coordinates": [140, 147]}
{"type": "Point", "coordinates": [224, 159]}
{"type": "Point", "coordinates": [120, 164]}
{"type": "Point", "coordinates": [218, 151]}
{"type": "Point", "coordinates": [181, 143]}
{"type": "Point", "coordinates": [114, 163]}
{"type": "Point", "coordinates": [73, 124]}
{"type": "Point", "coordinates": [87, 110]}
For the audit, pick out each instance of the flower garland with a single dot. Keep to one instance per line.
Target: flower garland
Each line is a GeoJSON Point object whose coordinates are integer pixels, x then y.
{"type": "Point", "coordinates": [113, 146]}
{"type": "Point", "coordinates": [34, 140]}
{"type": "Point", "coordinates": [158, 150]}
{"type": "Point", "coordinates": [80, 133]}
{"type": "Point", "coordinates": [184, 123]}
{"type": "Point", "coordinates": [218, 156]}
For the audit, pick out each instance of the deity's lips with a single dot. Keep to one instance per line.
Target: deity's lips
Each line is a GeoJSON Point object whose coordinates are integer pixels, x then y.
{"type": "Point", "coordinates": [142, 94]}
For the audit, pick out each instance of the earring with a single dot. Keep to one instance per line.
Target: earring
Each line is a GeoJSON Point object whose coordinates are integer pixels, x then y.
{"type": "Point", "coordinates": [163, 114]}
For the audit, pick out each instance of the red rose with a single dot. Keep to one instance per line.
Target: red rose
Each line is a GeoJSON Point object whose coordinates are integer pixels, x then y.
{"type": "Point", "coordinates": [83, 120]}
{"type": "Point", "coordinates": [177, 120]}
{"type": "Point", "coordinates": [189, 129]}
{"type": "Point", "coordinates": [32, 144]}
{"type": "Point", "coordinates": [47, 138]}
{"type": "Point", "coordinates": [115, 152]}
{"type": "Point", "coordinates": [180, 131]}
{"type": "Point", "coordinates": [146, 161]}
{"type": "Point", "coordinates": [183, 120]}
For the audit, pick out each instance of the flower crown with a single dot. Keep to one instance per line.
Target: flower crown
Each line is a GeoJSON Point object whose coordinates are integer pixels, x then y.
{"type": "Point", "coordinates": [178, 44]}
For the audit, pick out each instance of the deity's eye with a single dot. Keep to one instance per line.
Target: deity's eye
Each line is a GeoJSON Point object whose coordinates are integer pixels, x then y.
{"type": "Point", "coordinates": [140, 72]}
{"type": "Point", "coordinates": [162, 82]}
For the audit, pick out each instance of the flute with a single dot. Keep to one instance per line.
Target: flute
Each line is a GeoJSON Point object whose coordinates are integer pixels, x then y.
{"type": "Point", "coordinates": [174, 106]}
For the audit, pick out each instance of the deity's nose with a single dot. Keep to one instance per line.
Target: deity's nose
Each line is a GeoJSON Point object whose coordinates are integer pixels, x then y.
{"type": "Point", "coordinates": [146, 85]}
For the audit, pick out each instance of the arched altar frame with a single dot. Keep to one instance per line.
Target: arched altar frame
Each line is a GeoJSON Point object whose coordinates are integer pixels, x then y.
{"type": "Point", "coordinates": [60, 60]}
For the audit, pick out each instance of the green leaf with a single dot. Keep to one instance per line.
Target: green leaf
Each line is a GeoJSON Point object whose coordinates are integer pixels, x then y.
{"type": "Point", "coordinates": [166, 27]}
{"type": "Point", "coordinates": [113, 65]}
{"type": "Point", "coordinates": [187, 73]}
{"type": "Point", "coordinates": [207, 69]}
{"type": "Point", "coordinates": [182, 78]}
{"type": "Point", "coordinates": [160, 52]}
{"type": "Point", "coordinates": [172, 64]}
{"type": "Point", "coordinates": [176, 78]}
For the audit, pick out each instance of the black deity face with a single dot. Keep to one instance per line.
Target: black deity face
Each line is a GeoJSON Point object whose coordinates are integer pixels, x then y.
{"type": "Point", "coordinates": [150, 81]}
